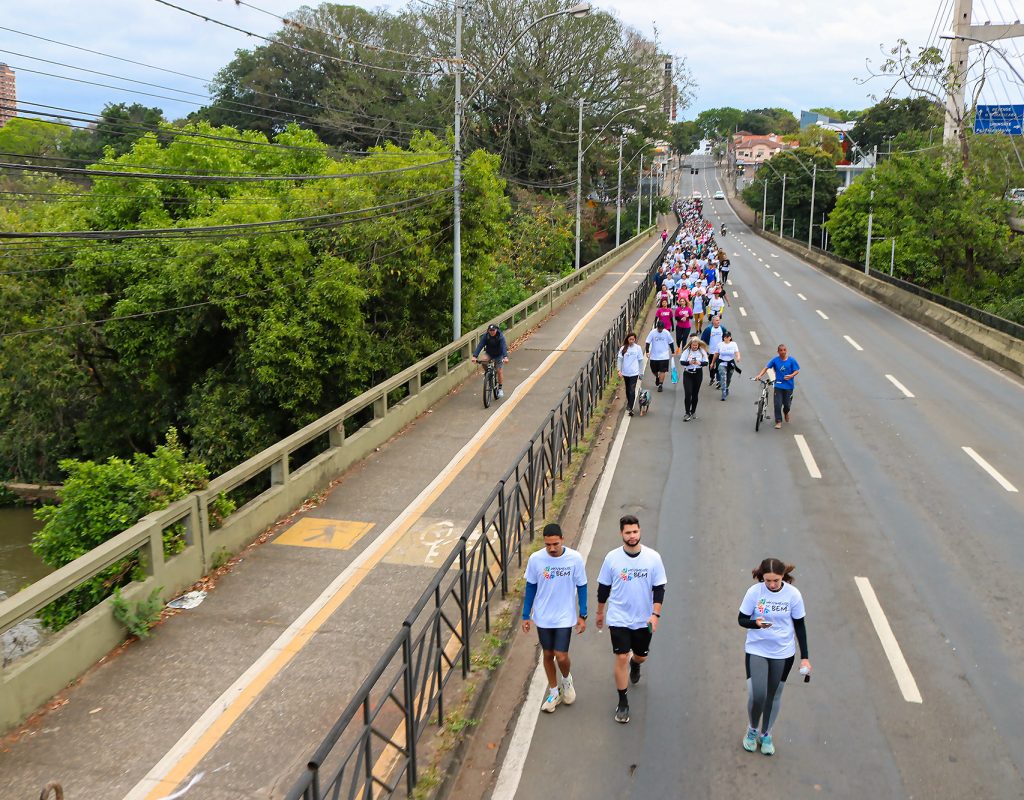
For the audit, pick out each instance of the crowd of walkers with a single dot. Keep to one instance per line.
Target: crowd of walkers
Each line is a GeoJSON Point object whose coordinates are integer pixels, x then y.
{"type": "Point", "coordinates": [692, 298]}
{"type": "Point", "coordinates": [688, 337]}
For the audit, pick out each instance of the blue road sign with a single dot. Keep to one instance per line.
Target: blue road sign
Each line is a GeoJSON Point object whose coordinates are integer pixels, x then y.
{"type": "Point", "coordinates": [999, 119]}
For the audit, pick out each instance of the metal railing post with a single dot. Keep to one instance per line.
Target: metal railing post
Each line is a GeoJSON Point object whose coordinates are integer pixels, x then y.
{"type": "Point", "coordinates": [464, 607]}
{"type": "Point", "coordinates": [503, 539]}
{"type": "Point", "coordinates": [410, 710]}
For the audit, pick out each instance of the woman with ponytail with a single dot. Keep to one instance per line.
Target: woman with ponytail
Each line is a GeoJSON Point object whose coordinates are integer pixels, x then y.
{"type": "Point", "coordinates": [772, 611]}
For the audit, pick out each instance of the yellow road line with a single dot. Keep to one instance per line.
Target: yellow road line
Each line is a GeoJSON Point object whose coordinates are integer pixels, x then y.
{"type": "Point", "coordinates": [210, 728]}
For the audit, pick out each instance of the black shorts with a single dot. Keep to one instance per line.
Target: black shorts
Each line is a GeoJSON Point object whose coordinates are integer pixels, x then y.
{"type": "Point", "coordinates": [660, 365]}
{"type": "Point", "coordinates": [626, 640]}
{"type": "Point", "coordinates": [556, 639]}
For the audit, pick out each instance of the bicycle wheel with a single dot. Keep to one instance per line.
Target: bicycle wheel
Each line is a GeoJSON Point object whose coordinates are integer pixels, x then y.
{"type": "Point", "coordinates": [760, 414]}
{"type": "Point", "coordinates": [488, 387]}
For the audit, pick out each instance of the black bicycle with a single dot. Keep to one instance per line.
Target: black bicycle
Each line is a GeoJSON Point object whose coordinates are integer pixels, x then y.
{"type": "Point", "coordinates": [490, 382]}
{"type": "Point", "coordinates": [762, 401]}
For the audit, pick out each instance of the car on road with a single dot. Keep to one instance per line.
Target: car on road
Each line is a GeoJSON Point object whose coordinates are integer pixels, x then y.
{"type": "Point", "coordinates": [697, 194]}
{"type": "Point", "coordinates": [719, 195]}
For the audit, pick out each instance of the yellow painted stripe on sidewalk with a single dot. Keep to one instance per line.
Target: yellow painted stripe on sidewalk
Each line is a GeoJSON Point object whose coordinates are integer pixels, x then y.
{"type": "Point", "coordinates": [201, 738]}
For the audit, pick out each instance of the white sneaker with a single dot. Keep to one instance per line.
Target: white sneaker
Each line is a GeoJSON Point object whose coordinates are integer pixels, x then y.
{"type": "Point", "coordinates": [568, 690]}
{"type": "Point", "coordinates": [552, 700]}
{"type": "Point", "coordinates": [501, 393]}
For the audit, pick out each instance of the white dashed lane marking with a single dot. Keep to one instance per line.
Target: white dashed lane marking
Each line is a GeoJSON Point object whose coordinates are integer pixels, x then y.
{"type": "Point", "coordinates": [743, 311]}
{"type": "Point", "coordinates": [992, 471]}
{"type": "Point", "coordinates": [800, 296]}
{"type": "Point", "coordinates": [753, 335]}
{"type": "Point", "coordinates": [904, 677]}
{"type": "Point", "coordinates": [853, 344]}
{"type": "Point", "coordinates": [788, 283]}
{"type": "Point", "coordinates": [821, 313]}
{"type": "Point", "coordinates": [735, 294]}
{"type": "Point", "coordinates": [900, 386]}
{"type": "Point", "coordinates": [777, 275]}
{"type": "Point", "coordinates": [805, 452]}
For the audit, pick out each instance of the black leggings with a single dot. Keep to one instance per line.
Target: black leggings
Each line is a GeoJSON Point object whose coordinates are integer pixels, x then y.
{"type": "Point", "coordinates": [766, 678]}
{"type": "Point", "coordinates": [630, 381]}
{"type": "Point", "coordinates": [691, 389]}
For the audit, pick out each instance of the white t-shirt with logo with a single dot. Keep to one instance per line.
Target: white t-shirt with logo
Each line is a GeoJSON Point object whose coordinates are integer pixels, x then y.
{"type": "Point", "coordinates": [632, 579]}
{"type": "Point", "coordinates": [727, 351]}
{"type": "Point", "coordinates": [662, 344]}
{"type": "Point", "coordinates": [556, 579]}
{"type": "Point", "coordinates": [715, 338]}
{"type": "Point", "coordinates": [779, 608]}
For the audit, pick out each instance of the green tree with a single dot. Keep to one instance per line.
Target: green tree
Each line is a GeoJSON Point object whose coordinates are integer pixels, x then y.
{"type": "Point", "coordinates": [98, 501]}
{"type": "Point", "coordinates": [817, 138]}
{"type": "Point", "coordinates": [951, 237]}
{"type": "Point", "coordinates": [762, 121]}
{"type": "Point", "coordinates": [891, 117]}
{"type": "Point", "coordinates": [24, 137]}
{"type": "Point", "coordinates": [685, 137]}
{"type": "Point", "coordinates": [718, 123]}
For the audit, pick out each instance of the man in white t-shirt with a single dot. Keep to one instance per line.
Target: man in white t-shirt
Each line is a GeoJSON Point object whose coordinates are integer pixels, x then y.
{"type": "Point", "coordinates": [660, 346]}
{"type": "Point", "coordinates": [632, 583]}
{"type": "Point", "coordinates": [556, 583]}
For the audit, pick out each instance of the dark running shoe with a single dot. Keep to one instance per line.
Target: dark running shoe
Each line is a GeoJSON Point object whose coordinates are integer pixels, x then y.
{"type": "Point", "coordinates": [634, 672]}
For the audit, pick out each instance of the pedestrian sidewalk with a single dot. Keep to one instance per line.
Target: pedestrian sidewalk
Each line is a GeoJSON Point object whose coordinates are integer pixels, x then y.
{"type": "Point", "coordinates": [209, 706]}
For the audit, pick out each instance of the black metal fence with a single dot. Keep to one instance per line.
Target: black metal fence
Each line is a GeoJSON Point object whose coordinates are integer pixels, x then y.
{"type": "Point", "coordinates": [984, 317]}
{"type": "Point", "coordinates": [372, 750]}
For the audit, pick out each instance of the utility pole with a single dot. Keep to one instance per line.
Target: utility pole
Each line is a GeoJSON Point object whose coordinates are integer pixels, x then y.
{"type": "Point", "coordinates": [650, 197]}
{"type": "Point", "coordinates": [618, 197]}
{"type": "Point", "coordinates": [457, 189]}
{"type": "Point", "coordinates": [782, 210]}
{"type": "Point", "coordinates": [871, 215]}
{"type": "Point", "coordinates": [639, 193]}
{"type": "Point", "coordinates": [959, 61]}
{"type": "Point", "coordinates": [810, 222]}
{"type": "Point", "coordinates": [579, 185]}
{"type": "Point", "coordinates": [764, 205]}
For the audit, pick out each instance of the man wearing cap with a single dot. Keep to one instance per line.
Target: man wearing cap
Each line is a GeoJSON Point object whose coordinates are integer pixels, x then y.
{"type": "Point", "coordinates": [556, 598]}
{"type": "Point", "coordinates": [660, 346]}
{"type": "Point", "coordinates": [494, 348]}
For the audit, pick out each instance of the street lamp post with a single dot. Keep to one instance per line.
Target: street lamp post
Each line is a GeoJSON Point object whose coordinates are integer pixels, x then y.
{"type": "Point", "coordinates": [580, 150]}
{"type": "Point", "coordinates": [810, 221]}
{"type": "Point", "coordinates": [764, 205]}
{"type": "Point", "coordinates": [618, 197]}
{"type": "Point", "coordinates": [639, 193]}
{"type": "Point", "coordinates": [578, 11]}
{"type": "Point", "coordinates": [782, 210]}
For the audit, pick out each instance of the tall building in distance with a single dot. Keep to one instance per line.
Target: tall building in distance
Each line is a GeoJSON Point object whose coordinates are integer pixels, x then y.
{"type": "Point", "coordinates": [669, 92]}
{"type": "Point", "coordinates": [8, 95]}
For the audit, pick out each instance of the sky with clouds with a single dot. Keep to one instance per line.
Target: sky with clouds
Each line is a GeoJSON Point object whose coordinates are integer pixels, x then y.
{"type": "Point", "coordinates": [790, 53]}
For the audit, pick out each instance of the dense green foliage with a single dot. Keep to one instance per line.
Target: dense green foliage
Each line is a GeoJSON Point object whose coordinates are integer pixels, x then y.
{"type": "Point", "coordinates": [139, 618]}
{"type": "Point", "coordinates": [951, 235]}
{"type": "Point", "coordinates": [720, 123]}
{"type": "Point", "coordinates": [906, 122]}
{"type": "Point", "coordinates": [99, 500]}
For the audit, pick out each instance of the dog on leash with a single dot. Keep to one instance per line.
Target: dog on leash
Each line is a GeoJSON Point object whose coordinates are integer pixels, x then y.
{"type": "Point", "coordinates": [643, 400]}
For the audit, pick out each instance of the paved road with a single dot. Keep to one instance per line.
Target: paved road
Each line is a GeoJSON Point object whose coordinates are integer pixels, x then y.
{"type": "Point", "coordinates": [899, 502]}
{"type": "Point", "coordinates": [205, 707]}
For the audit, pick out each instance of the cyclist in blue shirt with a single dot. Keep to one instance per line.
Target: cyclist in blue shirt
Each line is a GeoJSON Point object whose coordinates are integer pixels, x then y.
{"type": "Point", "coordinates": [494, 348]}
{"type": "Point", "coordinates": [786, 369]}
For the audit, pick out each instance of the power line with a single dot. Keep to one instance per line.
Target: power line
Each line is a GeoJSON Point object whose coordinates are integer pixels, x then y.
{"type": "Point", "coordinates": [295, 47]}
{"type": "Point", "coordinates": [174, 233]}
{"type": "Point", "coordinates": [207, 178]}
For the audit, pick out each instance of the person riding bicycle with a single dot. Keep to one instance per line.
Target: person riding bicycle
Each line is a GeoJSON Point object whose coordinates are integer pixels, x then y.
{"type": "Point", "coordinates": [494, 348]}
{"type": "Point", "coordinates": [724, 231]}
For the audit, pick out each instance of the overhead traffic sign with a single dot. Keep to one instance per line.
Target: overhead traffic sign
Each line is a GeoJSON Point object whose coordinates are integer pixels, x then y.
{"type": "Point", "coordinates": [999, 119]}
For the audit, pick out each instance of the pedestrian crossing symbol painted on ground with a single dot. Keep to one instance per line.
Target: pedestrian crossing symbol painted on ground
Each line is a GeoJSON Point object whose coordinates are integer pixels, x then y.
{"type": "Point", "coordinates": [336, 534]}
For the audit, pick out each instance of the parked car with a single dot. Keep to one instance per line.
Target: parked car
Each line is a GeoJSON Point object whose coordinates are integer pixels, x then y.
{"type": "Point", "coordinates": [1015, 196]}
{"type": "Point", "coordinates": [719, 195]}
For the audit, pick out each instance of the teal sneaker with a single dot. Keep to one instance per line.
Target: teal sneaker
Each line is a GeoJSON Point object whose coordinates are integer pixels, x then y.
{"type": "Point", "coordinates": [750, 741]}
{"type": "Point", "coordinates": [767, 746]}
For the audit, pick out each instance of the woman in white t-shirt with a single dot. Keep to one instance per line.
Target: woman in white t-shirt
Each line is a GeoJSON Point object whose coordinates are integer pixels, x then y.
{"type": "Point", "coordinates": [725, 361]}
{"type": "Point", "coordinates": [772, 611]}
{"type": "Point", "coordinates": [631, 364]}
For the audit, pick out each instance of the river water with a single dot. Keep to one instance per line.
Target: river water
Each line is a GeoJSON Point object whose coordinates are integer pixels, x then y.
{"type": "Point", "coordinates": [19, 566]}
